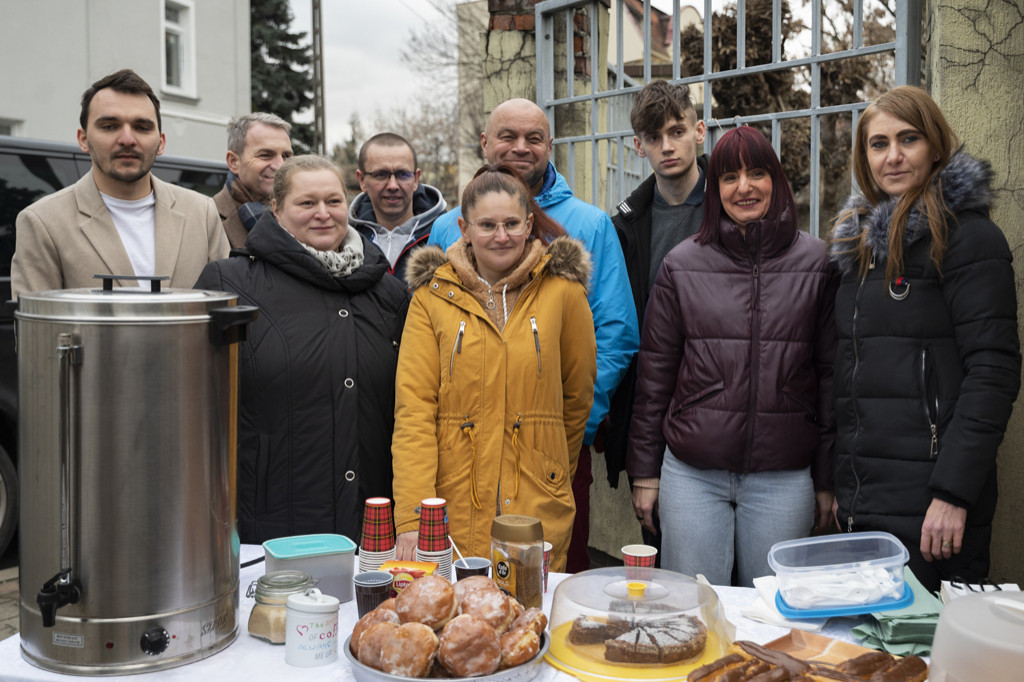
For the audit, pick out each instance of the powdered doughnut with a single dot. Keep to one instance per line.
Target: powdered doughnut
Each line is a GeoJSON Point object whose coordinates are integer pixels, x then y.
{"type": "Point", "coordinates": [488, 605]}
{"type": "Point", "coordinates": [371, 643]}
{"type": "Point", "coordinates": [429, 600]}
{"type": "Point", "coordinates": [473, 582]}
{"type": "Point", "coordinates": [469, 646]}
{"type": "Point", "coordinates": [532, 618]}
{"type": "Point", "coordinates": [410, 651]}
{"type": "Point", "coordinates": [378, 615]}
{"type": "Point", "coordinates": [517, 608]}
{"type": "Point", "coordinates": [388, 603]}
{"type": "Point", "coordinates": [518, 646]}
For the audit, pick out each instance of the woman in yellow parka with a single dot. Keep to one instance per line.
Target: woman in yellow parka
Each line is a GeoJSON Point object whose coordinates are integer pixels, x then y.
{"type": "Point", "coordinates": [496, 371]}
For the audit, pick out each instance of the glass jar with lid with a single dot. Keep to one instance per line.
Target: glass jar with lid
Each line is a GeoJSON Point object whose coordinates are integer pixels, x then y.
{"type": "Point", "coordinates": [267, 620]}
{"type": "Point", "coordinates": [517, 558]}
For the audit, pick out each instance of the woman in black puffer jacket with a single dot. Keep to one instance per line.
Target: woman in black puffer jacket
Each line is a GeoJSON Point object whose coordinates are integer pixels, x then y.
{"type": "Point", "coordinates": [928, 363]}
{"type": "Point", "coordinates": [317, 372]}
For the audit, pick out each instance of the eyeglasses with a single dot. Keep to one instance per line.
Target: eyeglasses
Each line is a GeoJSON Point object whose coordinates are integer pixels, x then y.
{"type": "Point", "coordinates": [385, 175]}
{"type": "Point", "coordinates": [512, 227]}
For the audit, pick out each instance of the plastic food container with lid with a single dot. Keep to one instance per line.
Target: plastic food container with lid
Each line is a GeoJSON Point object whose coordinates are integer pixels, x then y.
{"type": "Point", "coordinates": [329, 558]}
{"type": "Point", "coordinates": [634, 623]}
{"type": "Point", "coordinates": [980, 637]}
{"type": "Point", "coordinates": [859, 571]}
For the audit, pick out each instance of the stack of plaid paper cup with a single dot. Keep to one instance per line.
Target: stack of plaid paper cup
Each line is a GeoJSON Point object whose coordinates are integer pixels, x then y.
{"type": "Point", "coordinates": [433, 544]}
{"type": "Point", "coordinates": [378, 542]}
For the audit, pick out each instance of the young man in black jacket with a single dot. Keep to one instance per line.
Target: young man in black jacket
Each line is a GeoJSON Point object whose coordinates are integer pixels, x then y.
{"type": "Point", "coordinates": [665, 209]}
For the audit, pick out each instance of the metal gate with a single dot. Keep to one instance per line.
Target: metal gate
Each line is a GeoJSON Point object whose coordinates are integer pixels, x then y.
{"type": "Point", "coordinates": [840, 55]}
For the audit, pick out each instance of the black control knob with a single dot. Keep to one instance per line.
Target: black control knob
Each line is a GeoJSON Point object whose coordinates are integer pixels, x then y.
{"type": "Point", "coordinates": [154, 641]}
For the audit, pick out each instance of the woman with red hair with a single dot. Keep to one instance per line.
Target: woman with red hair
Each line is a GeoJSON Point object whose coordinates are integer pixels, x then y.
{"type": "Point", "coordinates": [732, 431]}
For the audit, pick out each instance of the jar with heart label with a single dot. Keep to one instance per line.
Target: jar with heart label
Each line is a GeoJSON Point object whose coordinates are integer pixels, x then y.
{"type": "Point", "coordinates": [312, 629]}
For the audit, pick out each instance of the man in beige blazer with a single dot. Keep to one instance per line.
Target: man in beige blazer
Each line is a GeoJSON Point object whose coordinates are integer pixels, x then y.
{"type": "Point", "coordinates": [118, 219]}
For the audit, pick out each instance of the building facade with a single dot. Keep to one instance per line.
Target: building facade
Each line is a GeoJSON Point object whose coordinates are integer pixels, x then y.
{"type": "Point", "coordinates": [195, 55]}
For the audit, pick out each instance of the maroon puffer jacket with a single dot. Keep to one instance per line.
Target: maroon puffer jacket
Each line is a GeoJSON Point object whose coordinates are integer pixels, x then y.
{"type": "Point", "coordinates": [735, 367]}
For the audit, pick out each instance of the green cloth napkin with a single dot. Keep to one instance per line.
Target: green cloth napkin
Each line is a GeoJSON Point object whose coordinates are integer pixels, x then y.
{"type": "Point", "coordinates": [905, 631]}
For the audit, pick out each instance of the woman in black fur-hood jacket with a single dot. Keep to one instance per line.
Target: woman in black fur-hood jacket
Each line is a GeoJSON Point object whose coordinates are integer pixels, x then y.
{"type": "Point", "coordinates": [928, 363]}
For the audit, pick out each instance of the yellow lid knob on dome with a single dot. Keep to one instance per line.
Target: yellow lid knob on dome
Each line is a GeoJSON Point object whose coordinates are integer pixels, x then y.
{"type": "Point", "coordinates": [636, 590]}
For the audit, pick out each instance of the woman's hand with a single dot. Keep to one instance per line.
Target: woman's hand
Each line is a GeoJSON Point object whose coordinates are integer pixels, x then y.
{"type": "Point", "coordinates": [644, 501]}
{"type": "Point", "coordinates": [942, 532]}
{"type": "Point", "coordinates": [823, 506]}
{"type": "Point", "coordinates": [405, 546]}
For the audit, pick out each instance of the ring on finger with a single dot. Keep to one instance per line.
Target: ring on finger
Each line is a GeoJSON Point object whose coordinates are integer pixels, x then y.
{"type": "Point", "coordinates": [946, 544]}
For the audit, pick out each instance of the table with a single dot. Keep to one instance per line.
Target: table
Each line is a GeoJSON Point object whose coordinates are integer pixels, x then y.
{"type": "Point", "coordinates": [249, 658]}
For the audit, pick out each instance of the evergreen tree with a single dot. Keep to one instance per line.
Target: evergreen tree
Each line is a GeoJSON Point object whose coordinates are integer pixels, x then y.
{"type": "Point", "coordinates": [282, 71]}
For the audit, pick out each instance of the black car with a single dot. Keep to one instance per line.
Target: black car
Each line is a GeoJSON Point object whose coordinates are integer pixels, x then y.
{"type": "Point", "coordinates": [29, 170]}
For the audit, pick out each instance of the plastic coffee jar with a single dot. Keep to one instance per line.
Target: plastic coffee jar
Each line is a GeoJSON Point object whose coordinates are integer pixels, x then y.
{"type": "Point", "coordinates": [267, 620]}
{"type": "Point", "coordinates": [312, 636]}
{"type": "Point", "coordinates": [517, 558]}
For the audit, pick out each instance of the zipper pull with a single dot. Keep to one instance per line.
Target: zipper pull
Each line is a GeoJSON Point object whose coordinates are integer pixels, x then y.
{"type": "Point", "coordinates": [849, 524]}
{"type": "Point", "coordinates": [536, 340]}
{"type": "Point", "coordinates": [871, 263]}
{"type": "Point", "coordinates": [456, 348]}
{"type": "Point", "coordinates": [934, 449]}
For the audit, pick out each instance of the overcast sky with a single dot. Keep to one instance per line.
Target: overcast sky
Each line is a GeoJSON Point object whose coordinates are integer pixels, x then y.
{"type": "Point", "coordinates": [363, 69]}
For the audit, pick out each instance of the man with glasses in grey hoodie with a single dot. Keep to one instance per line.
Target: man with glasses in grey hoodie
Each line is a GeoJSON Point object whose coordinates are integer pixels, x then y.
{"type": "Point", "coordinates": [394, 210]}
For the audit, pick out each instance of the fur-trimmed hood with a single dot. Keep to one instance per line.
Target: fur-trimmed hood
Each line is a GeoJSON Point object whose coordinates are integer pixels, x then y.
{"type": "Point", "coordinates": [964, 184]}
{"type": "Point", "coordinates": [565, 258]}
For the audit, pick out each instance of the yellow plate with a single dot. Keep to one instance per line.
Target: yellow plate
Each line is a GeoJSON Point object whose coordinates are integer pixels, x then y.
{"type": "Point", "coordinates": [587, 661]}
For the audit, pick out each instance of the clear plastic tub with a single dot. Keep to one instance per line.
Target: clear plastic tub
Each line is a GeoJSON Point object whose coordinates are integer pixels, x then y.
{"type": "Point", "coordinates": [851, 569]}
{"type": "Point", "coordinates": [980, 637]}
{"type": "Point", "coordinates": [329, 558]}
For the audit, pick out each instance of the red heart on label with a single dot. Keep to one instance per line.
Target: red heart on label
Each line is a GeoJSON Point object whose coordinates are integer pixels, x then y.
{"type": "Point", "coordinates": [302, 629]}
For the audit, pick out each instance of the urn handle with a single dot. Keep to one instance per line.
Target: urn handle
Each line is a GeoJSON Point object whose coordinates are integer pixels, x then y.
{"type": "Point", "coordinates": [230, 325]}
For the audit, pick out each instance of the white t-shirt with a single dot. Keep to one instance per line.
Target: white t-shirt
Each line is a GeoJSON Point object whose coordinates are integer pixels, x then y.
{"type": "Point", "coordinates": [135, 223]}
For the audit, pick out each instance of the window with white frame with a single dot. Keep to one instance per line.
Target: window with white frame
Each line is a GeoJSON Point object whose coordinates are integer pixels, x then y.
{"type": "Point", "coordinates": [179, 47]}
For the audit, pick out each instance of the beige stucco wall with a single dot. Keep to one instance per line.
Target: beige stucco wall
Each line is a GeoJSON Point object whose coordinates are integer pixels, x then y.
{"type": "Point", "coordinates": [976, 74]}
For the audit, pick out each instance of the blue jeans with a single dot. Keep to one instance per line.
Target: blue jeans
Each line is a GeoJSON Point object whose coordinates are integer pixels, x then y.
{"type": "Point", "coordinates": [710, 517]}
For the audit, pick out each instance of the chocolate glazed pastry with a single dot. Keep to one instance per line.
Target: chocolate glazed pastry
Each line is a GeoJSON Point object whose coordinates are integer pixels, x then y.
{"type": "Point", "coordinates": [749, 662]}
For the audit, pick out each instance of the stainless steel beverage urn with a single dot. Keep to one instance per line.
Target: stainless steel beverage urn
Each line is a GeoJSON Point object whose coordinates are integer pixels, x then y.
{"type": "Point", "coordinates": [127, 418]}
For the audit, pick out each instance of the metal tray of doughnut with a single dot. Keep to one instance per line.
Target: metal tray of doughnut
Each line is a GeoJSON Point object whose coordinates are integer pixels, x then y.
{"type": "Point", "coordinates": [520, 673]}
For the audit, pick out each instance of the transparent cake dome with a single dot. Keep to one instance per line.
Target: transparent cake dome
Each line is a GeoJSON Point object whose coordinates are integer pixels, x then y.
{"type": "Point", "coordinates": [630, 623]}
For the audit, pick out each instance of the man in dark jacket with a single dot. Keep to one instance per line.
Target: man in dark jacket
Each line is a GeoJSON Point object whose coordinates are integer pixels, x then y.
{"type": "Point", "coordinates": [258, 143]}
{"type": "Point", "coordinates": [665, 209]}
{"type": "Point", "coordinates": [394, 211]}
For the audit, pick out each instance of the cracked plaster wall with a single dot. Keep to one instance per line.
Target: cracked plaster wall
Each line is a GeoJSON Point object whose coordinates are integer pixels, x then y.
{"type": "Point", "coordinates": [976, 74]}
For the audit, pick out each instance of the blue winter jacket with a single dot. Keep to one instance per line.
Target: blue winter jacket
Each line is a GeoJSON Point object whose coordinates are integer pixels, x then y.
{"type": "Point", "coordinates": [611, 303]}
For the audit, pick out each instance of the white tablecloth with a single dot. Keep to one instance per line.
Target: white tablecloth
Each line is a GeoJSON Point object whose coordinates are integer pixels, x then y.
{"type": "Point", "coordinates": [252, 659]}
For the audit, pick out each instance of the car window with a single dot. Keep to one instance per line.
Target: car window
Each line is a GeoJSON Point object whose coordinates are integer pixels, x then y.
{"type": "Point", "coordinates": [23, 179]}
{"type": "Point", "coordinates": [204, 182]}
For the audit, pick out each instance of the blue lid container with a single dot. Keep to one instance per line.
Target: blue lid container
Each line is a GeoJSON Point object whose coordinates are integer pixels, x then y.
{"type": "Point", "coordinates": [298, 546]}
{"type": "Point", "coordinates": [329, 558]}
